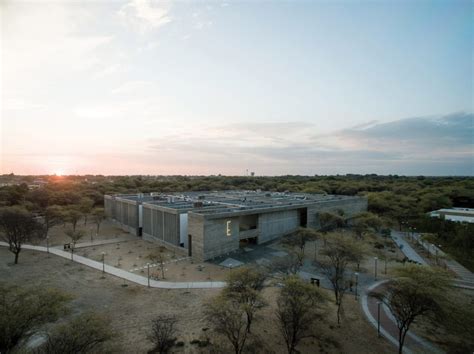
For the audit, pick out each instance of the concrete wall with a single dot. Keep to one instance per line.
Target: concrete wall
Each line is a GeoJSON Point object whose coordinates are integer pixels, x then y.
{"type": "Point", "coordinates": [209, 237]}
{"type": "Point", "coordinates": [109, 206]}
{"type": "Point", "coordinates": [160, 225]}
{"type": "Point", "coordinates": [277, 224]}
{"type": "Point", "coordinates": [124, 212]}
{"type": "Point", "coordinates": [350, 207]}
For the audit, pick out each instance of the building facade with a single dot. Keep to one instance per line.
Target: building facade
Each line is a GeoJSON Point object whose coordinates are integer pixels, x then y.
{"type": "Point", "coordinates": [210, 224]}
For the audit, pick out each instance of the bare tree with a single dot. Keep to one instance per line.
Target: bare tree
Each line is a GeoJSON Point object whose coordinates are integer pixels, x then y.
{"type": "Point", "coordinates": [418, 291]}
{"type": "Point", "coordinates": [228, 318]}
{"type": "Point", "coordinates": [159, 257]}
{"type": "Point", "coordinates": [244, 285]}
{"type": "Point", "coordinates": [163, 333]}
{"type": "Point", "coordinates": [298, 310]}
{"type": "Point", "coordinates": [339, 252]}
{"type": "Point", "coordinates": [85, 333]}
{"type": "Point", "coordinates": [18, 226]}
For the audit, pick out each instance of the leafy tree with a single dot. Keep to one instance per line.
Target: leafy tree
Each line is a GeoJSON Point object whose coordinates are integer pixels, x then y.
{"type": "Point", "coordinates": [74, 236]}
{"type": "Point", "coordinates": [85, 207]}
{"type": "Point", "coordinates": [290, 264]}
{"type": "Point", "coordinates": [298, 309]}
{"type": "Point", "coordinates": [418, 291]}
{"type": "Point", "coordinates": [364, 222]}
{"type": "Point", "coordinates": [13, 195]}
{"type": "Point", "coordinates": [163, 333]}
{"type": "Point", "coordinates": [340, 251]}
{"type": "Point", "coordinates": [73, 215]}
{"type": "Point", "coordinates": [23, 312]}
{"type": "Point", "coordinates": [40, 197]}
{"type": "Point", "coordinates": [244, 285]}
{"type": "Point", "coordinates": [85, 333]}
{"type": "Point", "coordinates": [435, 201]}
{"type": "Point", "coordinates": [228, 318]}
{"type": "Point", "coordinates": [330, 221]}
{"type": "Point", "coordinates": [99, 216]}
{"type": "Point", "coordinates": [53, 215]}
{"type": "Point", "coordinates": [18, 226]}
{"type": "Point", "coordinates": [300, 238]}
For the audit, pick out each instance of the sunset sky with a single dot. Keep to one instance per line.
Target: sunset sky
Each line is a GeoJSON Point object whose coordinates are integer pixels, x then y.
{"type": "Point", "coordinates": [275, 87]}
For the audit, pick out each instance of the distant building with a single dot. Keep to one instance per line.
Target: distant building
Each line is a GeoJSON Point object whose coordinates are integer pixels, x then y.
{"type": "Point", "coordinates": [210, 224]}
{"type": "Point", "coordinates": [454, 214]}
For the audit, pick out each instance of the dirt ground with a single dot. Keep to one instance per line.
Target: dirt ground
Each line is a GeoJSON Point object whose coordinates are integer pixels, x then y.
{"type": "Point", "coordinates": [131, 309]}
{"type": "Point", "coordinates": [134, 255]}
{"type": "Point", "coordinates": [108, 230]}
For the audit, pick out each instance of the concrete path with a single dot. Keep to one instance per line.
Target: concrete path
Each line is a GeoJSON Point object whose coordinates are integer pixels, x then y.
{"type": "Point", "coordinates": [388, 326]}
{"type": "Point", "coordinates": [406, 248]}
{"type": "Point", "coordinates": [134, 278]}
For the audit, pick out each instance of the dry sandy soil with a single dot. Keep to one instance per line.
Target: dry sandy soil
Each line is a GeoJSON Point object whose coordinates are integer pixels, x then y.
{"type": "Point", "coordinates": [108, 230]}
{"type": "Point", "coordinates": [131, 309]}
{"type": "Point", "coordinates": [134, 255]}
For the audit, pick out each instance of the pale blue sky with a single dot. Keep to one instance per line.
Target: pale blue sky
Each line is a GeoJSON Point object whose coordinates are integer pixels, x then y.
{"type": "Point", "coordinates": [130, 87]}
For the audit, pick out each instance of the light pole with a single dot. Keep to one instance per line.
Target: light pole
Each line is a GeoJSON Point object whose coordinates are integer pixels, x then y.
{"type": "Point", "coordinates": [92, 240]}
{"type": "Point", "coordinates": [72, 253]}
{"type": "Point", "coordinates": [148, 270]}
{"type": "Point", "coordinates": [47, 244]}
{"type": "Point", "coordinates": [375, 268]}
{"type": "Point", "coordinates": [356, 284]}
{"type": "Point", "coordinates": [103, 262]}
{"type": "Point", "coordinates": [378, 318]}
{"type": "Point", "coordinates": [385, 270]}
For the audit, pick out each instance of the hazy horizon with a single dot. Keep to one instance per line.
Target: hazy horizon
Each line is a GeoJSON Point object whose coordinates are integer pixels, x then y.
{"type": "Point", "coordinates": [206, 88]}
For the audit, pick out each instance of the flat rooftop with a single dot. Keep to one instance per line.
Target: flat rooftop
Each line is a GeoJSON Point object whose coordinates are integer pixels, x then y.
{"type": "Point", "coordinates": [218, 202]}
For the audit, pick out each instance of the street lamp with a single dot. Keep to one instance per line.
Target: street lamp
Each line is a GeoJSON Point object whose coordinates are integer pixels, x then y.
{"type": "Point", "coordinates": [72, 253]}
{"type": "Point", "coordinates": [148, 270]}
{"type": "Point", "coordinates": [375, 268]}
{"type": "Point", "coordinates": [378, 318]}
{"type": "Point", "coordinates": [47, 244]}
{"type": "Point", "coordinates": [356, 284]}
{"type": "Point", "coordinates": [103, 262]}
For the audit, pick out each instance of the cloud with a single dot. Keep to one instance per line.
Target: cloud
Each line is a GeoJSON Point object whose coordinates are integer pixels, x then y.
{"type": "Point", "coordinates": [424, 145]}
{"type": "Point", "coordinates": [455, 128]}
{"type": "Point", "coordinates": [145, 15]}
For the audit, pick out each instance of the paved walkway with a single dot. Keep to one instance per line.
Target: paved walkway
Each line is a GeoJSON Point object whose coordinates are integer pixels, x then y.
{"type": "Point", "coordinates": [134, 278]}
{"type": "Point", "coordinates": [406, 248]}
{"type": "Point", "coordinates": [388, 327]}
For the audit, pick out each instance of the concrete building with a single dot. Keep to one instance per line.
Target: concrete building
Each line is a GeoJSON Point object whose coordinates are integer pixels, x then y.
{"type": "Point", "coordinates": [454, 214]}
{"type": "Point", "coordinates": [209, 224]}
